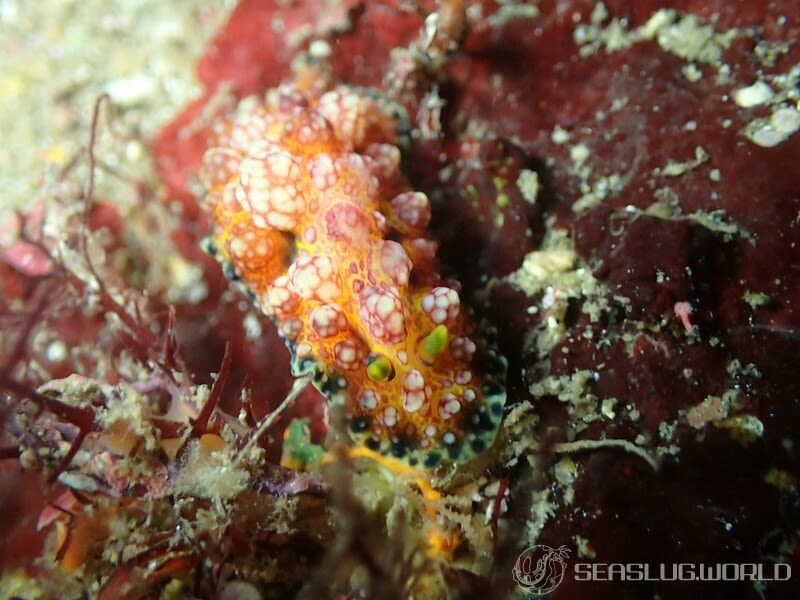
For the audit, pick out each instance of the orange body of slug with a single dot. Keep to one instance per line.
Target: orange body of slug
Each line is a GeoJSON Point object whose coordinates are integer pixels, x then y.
{"type": "Point", "coordinates": [311, 212]}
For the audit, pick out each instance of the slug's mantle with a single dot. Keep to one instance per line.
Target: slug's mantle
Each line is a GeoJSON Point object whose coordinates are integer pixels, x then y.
{"type": "Point", "coordinates": [312, 213]}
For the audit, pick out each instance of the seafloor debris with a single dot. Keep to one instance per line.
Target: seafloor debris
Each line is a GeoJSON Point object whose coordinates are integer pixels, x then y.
{"type": "Point", "coordinates": [613, 186]}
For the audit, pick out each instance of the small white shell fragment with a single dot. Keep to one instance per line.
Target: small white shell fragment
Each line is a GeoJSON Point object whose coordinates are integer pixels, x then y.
{"type": "Point", "coordinates": [131, 91]}
{"type": "Point", "coordinates": [753, 95]}
{"type": "Point", "coordinates": [579, 153]}
{"type": "Point", "coordinates": [781, 125]}
{"type": "Point", "coordinates": [319, 49]}
{"type": "Point", "coordinates": [786, 120]}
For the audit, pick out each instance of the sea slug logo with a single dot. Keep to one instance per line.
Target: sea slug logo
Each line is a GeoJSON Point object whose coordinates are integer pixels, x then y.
{"type": "Point", "coordinates": [540, 569]}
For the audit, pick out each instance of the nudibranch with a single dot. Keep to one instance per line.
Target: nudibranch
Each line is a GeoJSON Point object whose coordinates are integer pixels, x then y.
{"type": "Point", "coordinates": [311, 212]}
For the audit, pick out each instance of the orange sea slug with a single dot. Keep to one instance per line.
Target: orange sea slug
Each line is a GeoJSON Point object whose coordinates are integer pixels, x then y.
{"type": "Point", "coordinates": [312, 213]}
